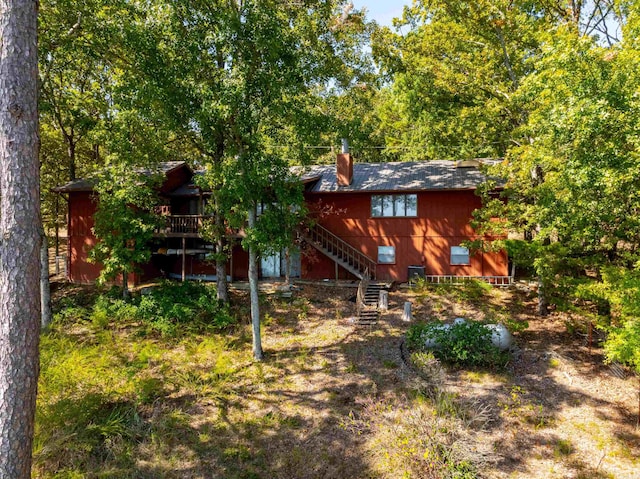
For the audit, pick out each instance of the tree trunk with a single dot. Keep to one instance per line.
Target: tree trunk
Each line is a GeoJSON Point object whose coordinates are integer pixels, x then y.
{"type": "Point", "coordinates": [221, 262]}
{"type": "Point", "coordinates": [287, 266]}
{"type": "Point", "coordinates": [506, 60]}
{"type": "Point", "coordinates": [543, 306]}
{"type": "Point", "coordinates": [45, 289]}
{"type": "Point", "coordinates": [71, 153]}
{"type": "Point", "coordinates": [19, 235]}
{"type": "Point", "coordinates": [253, 289]}
{"type": "Point", "coordinates": [96, 154]}
{"type": "Point", "coordinates": [125, 285]}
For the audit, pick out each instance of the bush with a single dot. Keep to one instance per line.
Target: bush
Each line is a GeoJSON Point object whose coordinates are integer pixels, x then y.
{"type": "Point", "coordinates": [167, 309]}
{"type": "Point", "coordinates": [184, 305]}
{"type": "Point", "coordinates": [106, 309]}
{"type": "Point", "coordinates": [461, 344]}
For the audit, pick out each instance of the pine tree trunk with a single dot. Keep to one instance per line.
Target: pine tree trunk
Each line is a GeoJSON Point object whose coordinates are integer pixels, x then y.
{"type": "Point", "coordinates": [253, 290]}
{"type": "Point", "coordinates": [19, 235]}
{"type": "Point", "coordinates": [45, 289]}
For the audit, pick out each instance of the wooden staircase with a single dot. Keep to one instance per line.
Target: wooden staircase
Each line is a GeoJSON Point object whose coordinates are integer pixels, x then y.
{"type": "Point", "coordinates": [367, 299]}
{"type": "Point", "coordinates": [341, 252]}
{"type": "Point", "coordinates": [357, 263]}
{"type": "Point", "coordinates": [368, 312]}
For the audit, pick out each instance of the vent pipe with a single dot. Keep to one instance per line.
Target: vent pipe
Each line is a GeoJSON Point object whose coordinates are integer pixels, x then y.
{"type": "Point", "coordinates": [345, 146]}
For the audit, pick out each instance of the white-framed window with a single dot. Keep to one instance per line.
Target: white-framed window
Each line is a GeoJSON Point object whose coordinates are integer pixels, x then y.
{"type": "Point", "coordinates": [386, 254]}
{"type": "Point", "coordinates": [394, 205]}
{"type": "Point", "coordinates": [459, 255]}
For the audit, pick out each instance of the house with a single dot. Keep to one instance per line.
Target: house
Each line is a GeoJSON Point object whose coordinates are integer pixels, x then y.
{"type": "Point", "coordinates": [381, 220]}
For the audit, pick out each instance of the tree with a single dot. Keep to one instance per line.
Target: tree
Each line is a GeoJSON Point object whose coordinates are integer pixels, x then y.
{"type": "Point", "coordinates": [575, 182]}
{"type": "Point", "coordinates": [230, 78]}
{"type": "Point", "coordinates": [262, 182]}
{"type": "Point", "coordinates": [19, 235]}
{"type": "Point", "coordinates": [454, 76]}
{"type": "Point", "coordinates": [124, 222]}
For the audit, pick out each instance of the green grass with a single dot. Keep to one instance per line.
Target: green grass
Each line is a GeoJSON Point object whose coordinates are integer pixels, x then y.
{"type": "Point", "coordinates": [114, 390]}
{"type": "Point", "coordinates": [120, 397]}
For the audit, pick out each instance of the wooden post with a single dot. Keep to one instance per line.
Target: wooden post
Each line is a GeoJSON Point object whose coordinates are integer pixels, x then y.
{"type": "Point", "coordinates": [184, 259]}
{"type": "Point", "coordinates": [406, 314]}
{"type": "Point", "coordinates": [336, 272]}
{"type": "Point", "coordinates": [383, 300]}
{"type": "Point", "coordinates": [231, 263]}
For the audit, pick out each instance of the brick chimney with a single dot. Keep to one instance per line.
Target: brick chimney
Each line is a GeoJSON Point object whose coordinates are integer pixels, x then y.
{"type": "Point", "coordinates": [344, 165]}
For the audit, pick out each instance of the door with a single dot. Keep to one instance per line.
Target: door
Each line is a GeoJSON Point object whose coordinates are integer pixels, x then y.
{"type": "Point", "coordinates": [270, 266]}
{"type": "Point", "coordinates": [296, 263]}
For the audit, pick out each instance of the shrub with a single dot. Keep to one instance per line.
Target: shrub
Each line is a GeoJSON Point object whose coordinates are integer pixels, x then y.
{"type": "Point", "coordinates": [184, 305]}
{"type": "Point", "coordinates": [106, 309]}
{"type": "Point", "coordinates": [167, 309]}
{"type": "Point", "coordinates": [461, 344]}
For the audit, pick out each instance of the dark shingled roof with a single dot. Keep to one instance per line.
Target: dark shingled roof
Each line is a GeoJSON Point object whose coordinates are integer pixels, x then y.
{"type": "Point", "coordinates": [190, 188]}
{"type": "Point", "coordinates": [88, 184]}
{"type": "Point", "coordinates": [76, 185]}
{"type": "Point", "coordinates": [401, 176]}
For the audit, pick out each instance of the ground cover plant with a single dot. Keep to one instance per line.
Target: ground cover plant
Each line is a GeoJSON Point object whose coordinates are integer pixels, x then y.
{"type": "Point", "coordinates": [460, 343]}
{"type": "Point", "coordinates": [120, 399]}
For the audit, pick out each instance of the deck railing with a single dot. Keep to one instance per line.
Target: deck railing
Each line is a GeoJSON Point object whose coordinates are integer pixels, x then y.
{"type": "Point", "coordinates": [450, 279]}
{"type": "Point", "coordinates": [343, 251]}
{"type": "Point", "coordinates": [183, 224]}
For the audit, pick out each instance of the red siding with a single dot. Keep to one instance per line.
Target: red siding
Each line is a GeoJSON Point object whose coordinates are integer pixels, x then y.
{"type": "Point", "coordinates": [442, 221]}
{"type": "Point", "coordinates": [82, 207]}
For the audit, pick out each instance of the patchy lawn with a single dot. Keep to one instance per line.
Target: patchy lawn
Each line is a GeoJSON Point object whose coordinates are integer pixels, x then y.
{"type": "Point", "coordinates": [331, 400]}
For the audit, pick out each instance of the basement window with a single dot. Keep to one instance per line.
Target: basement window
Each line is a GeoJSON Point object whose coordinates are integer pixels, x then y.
{"type": "Point", "coordinates": [459, 255]}
{"type": "Point", "coordinates": [394, 205]}
{"type": "Point", "coordinates": [386, 254]}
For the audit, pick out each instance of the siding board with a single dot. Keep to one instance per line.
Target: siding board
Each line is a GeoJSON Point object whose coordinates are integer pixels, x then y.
{"type": "Point", "coordinates": [442, 221]}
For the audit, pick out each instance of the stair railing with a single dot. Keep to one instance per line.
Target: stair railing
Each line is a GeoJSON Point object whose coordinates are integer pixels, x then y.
{"type": "Point", "coordinates": [342, 250]}
{"type": "Point", "coordinates": [362, 291]}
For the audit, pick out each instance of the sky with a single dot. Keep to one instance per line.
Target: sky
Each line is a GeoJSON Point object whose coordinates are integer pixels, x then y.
{"type": "Point", "coordinates": [383, 11]}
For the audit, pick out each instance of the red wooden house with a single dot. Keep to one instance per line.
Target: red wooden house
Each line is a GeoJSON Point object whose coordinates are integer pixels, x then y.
{"type": "Point", "coordinates": [388, 220]}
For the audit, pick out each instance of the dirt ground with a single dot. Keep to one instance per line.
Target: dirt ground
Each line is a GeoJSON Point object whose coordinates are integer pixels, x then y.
{"type": "Point", "coordinates": [556, 411]}
{"type": "Point", "coordinates": [328, 384]}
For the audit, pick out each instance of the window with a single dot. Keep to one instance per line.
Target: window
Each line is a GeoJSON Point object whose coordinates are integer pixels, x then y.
{"type": "Point", "coordinates": [394, 205]}
{"type": "Point", "coordinates": [386, 254]}
{"type": "Point", "coordinates": [459, 255]}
